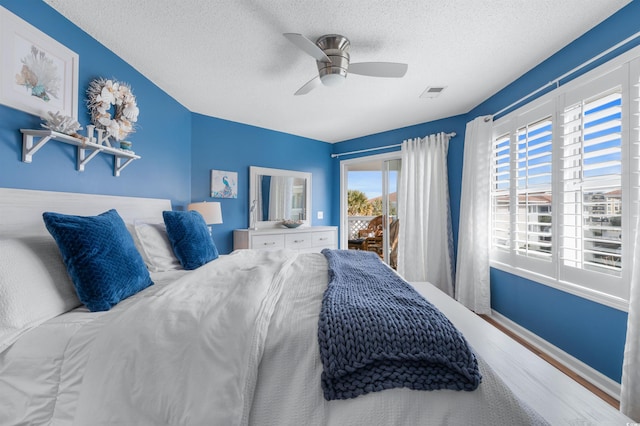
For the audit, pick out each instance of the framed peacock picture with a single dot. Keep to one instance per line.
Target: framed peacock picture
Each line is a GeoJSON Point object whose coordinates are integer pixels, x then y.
{"type": "Point", "coordinates": [224, 184]}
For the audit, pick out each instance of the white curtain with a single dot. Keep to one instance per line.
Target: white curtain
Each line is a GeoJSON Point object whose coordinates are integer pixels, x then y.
{"type": "Point", "coordinates": [280, 196]}
{"type": "Point", "coordinates": [258, 214]}
{"type": "Point", "coordinates": [630, 395]}
{"type": "Point", "coordinates": [425, 242]}
{"type": "Point", "coordinates": [472, 267]}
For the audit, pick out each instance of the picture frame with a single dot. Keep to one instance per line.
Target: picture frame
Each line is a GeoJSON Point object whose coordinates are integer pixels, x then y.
{"type": "Point", "coordinates": [37, 73]}
{"type": "Point", "coordinates": [224, 184]}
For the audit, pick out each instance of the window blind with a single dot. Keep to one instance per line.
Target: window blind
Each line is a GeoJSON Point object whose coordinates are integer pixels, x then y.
{"type": "Point", "coordinates": [500, 193]}
{"type": "Point", "coordinates": [592, 191]}
{"type": "Point", "coordinates": [533, 188]}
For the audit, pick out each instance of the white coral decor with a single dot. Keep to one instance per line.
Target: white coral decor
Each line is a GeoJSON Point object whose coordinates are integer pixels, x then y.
{"type": "Point", "coordinates": [59, 122]}
{"type": "Point", "coordinates": [102, 95]}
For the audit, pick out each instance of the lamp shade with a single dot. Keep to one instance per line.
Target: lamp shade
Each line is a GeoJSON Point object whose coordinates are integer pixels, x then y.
{"type": "Point", "coordinates": [211, 212]}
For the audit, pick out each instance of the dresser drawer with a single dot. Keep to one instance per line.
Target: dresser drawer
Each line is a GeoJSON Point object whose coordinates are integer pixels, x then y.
{"type": "Point", "coordinates": [323, 239]}
{"type": "Point", "coordinates": [297, 241]}
{"type": "Point", "coordinates": [267, 242]}
{"type": "Point", "coordinates": [302, 240]}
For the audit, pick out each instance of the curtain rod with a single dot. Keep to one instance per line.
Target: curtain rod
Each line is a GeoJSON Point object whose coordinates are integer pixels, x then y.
{"type": "Point", "coordinates": [568, 73]}
{"type": "Point", "coordinates": [452, 134]}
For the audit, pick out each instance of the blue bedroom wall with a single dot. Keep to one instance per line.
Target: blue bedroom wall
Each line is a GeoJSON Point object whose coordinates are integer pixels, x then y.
{"type": "Point", "coordinates": [591, 332]}
{"type": "Point", "coordinates": [226, 145]}
{"type": "Point", "coordinates": [162, 139]}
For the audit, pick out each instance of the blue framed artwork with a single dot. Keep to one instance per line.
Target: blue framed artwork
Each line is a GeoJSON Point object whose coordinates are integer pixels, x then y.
{"type": "Point", "coordinates": [224, 184]}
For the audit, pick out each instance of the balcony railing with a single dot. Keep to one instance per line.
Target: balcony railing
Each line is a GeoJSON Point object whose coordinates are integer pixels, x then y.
{"type": "Point", "coordinates": [356, 224]}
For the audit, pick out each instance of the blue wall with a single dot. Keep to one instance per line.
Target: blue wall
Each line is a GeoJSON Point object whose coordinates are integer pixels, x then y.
{"type": "Point", "coordinates": [592, 332]}
{"type": "Point", "coordinates": [163, 137]}
{"type": "Point", "coordinates": [226, 145]}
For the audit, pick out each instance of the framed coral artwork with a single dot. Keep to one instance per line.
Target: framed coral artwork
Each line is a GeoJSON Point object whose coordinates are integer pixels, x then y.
{"type": "Point", "coordinates": [224, 184]}
{"type": "Point", "coordinates": [37, 74]}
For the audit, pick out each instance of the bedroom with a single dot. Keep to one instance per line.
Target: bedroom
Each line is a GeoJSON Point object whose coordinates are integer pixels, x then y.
{"type": "Point", "coordinates": [175, 166]}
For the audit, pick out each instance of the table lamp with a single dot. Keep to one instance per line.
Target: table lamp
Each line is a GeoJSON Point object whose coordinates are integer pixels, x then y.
{"type": "Point", "coordinates": [211, 212]}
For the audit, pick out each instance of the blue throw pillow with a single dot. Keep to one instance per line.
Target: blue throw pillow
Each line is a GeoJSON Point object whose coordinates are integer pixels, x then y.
{"type": "Point", "coordinates": [190, 238]}
{"type": "Point", "coordinates": [100, 256]}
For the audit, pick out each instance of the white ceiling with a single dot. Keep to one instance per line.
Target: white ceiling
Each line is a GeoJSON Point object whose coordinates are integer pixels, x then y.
{"type": "Point", "coordinates": [228, 58]}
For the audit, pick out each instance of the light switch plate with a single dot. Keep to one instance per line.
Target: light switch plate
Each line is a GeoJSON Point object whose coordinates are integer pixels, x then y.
{"type": "Point", "coordinates": [320, 214]}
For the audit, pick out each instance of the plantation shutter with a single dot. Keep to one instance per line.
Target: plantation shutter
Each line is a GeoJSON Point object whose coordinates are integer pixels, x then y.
{"type": "Point", "coordinates": [533, 189]}
{"type": "Point", "coordinates": [592, 184]}
{"type": "Point", "coordinates": [500, 193]}
{"type": "Point", "coordinates": [574, 231]}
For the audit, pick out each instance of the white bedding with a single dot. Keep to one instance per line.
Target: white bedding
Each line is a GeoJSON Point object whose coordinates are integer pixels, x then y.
{"type": "Point", "coordinates": [234, 342]}
{"type": "Point", "coordinates": [292, 347]}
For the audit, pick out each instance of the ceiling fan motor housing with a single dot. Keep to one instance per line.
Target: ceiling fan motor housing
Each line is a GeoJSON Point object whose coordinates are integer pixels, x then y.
{"type": "Point", "coordinates": [336, 47]}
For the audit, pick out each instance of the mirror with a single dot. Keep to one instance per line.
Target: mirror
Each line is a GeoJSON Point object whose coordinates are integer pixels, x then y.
{"type": "Point", "coordinates": [277, 195]}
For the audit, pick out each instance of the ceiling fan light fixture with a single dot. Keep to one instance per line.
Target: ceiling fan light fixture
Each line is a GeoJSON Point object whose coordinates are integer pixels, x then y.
{"type": "Point", "coordinates": [336, 47]}
{"type": "Point", "coordinates": [333, 76]}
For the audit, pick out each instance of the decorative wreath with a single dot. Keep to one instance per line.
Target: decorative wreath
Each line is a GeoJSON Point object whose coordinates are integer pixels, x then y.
{"type": "Point", "coordinates": [102, 95]}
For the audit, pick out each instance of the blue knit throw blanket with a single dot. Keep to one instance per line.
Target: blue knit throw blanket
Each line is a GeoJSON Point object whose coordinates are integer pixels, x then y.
{"type": "Point", "coordinates": [376, 332]}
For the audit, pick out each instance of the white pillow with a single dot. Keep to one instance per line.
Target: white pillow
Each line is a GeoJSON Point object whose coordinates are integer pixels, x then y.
{"type": "Point", "coordinates": [34, 286]}
{"type": "Point", "coordinates": [155, 247]}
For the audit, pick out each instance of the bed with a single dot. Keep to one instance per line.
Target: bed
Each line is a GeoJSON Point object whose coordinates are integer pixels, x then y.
{"type": "Point", "coordinates": [234, 341]}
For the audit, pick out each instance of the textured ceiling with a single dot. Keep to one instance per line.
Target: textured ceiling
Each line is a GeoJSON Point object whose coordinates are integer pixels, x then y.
{"type": "Point", "coordinates": [228, 58]}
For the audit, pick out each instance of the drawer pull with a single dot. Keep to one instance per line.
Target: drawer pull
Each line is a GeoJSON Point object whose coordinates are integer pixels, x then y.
{"type": "Point", "coordinates": [323, 238]}
{"type": "Point", "coordinates": [298, 241]}
{"type": "Point", "coordinates": [270, 243]}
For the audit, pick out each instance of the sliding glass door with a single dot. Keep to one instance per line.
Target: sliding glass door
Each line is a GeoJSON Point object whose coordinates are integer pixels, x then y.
{"type": "Point", "coordinates": [369, 205]}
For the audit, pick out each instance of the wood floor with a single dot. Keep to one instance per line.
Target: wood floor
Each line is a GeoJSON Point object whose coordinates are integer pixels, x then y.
{"type": "Point", "coordinates": [594, 389]}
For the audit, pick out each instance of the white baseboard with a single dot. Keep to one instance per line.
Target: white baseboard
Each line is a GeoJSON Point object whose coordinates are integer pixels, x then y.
{"type": "Point", "coordinates": [611, 387]}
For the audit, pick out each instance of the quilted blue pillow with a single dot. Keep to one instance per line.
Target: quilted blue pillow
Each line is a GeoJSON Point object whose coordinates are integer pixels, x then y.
{"type": "Point", "coordinates": [100, 256]}
{"type": "Point", "coordinates": [190, 239]}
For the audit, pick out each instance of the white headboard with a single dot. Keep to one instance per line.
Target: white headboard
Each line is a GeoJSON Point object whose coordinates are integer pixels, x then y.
{"type": "Point", "coordinates": [21, 209]}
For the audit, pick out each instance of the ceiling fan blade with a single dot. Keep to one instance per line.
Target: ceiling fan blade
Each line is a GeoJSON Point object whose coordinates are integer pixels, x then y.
{"type": "Point", "coordinates": [308, 86]}
{"type": "Point", "coordinates": [307, 46]}
{"type": "Point", "coordinates": [379, 69]}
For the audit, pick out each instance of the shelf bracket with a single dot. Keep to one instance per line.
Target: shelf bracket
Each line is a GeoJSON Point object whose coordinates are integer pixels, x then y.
{"type": "Point", "coordinates": [119, 165]}
{"type": "Point", "coordinates": [83, 158]}
{"type": "Point", "coordinates": [28, 148]}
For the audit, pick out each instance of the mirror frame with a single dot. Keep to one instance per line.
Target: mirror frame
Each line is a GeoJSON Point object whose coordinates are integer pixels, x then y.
{"type": "Point", "coordinates": [255, 172]}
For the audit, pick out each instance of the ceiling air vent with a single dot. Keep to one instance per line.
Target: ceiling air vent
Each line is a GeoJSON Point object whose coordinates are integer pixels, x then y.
{"type": "Point", "coordinates": [432, 92]}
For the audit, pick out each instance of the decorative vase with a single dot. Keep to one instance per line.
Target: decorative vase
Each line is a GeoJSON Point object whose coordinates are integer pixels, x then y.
{"type": "Point", "coordinates": [125, 145]}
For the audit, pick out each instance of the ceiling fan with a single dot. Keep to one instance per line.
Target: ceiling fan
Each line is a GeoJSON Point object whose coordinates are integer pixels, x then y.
{"type": "Point", "coordinates": [331, 53]}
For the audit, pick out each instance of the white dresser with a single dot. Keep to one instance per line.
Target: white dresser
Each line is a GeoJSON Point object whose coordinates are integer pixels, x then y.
{"type": "Point", "coordinates": [309, 239]}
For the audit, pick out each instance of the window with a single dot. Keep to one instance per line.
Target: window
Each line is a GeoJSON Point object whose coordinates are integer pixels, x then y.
{"type": "Point", "coordinates": [522, 189]}
{"type": "Point", "coordinates": [592, 183]}
{"type": "Point", "coordinates": [533, 190]}
{"type": "Point", "coordinates": [501, 206]}
{"type": "Point", "coordinates": [563, 184]}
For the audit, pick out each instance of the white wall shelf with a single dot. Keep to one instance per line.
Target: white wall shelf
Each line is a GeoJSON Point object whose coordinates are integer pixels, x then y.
{"type": "Point", "coordinates": [33, 140]}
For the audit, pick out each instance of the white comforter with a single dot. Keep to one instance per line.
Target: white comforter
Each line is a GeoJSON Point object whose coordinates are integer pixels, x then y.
{"type": "Point", "coordinates": [234, 342]}
{"type": "Point", "coordinates": [292, 347]}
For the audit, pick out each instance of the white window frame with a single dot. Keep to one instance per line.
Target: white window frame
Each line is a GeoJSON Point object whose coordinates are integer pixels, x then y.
{"type": "Point", "coordinates": [344, 169]}
{"type": "Point", "coordinates": [609, 290]}
{"type": "Point", "coordinates": [510, 124]}
{"type": "Point", "coordinates": [600, 282]}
